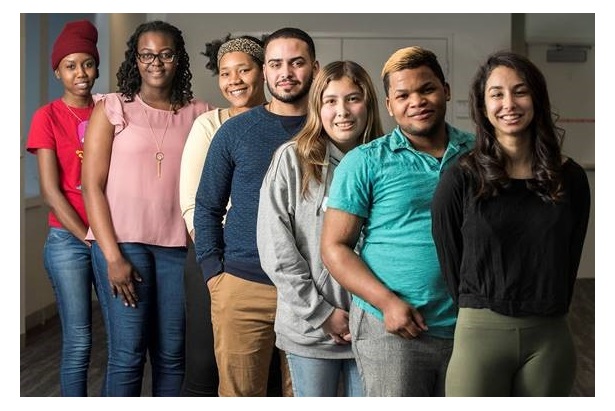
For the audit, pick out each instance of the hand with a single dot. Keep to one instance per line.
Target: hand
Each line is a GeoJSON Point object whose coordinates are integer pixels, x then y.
{"type": "Point", "coordinates": [121, 276]}
{"type": "Point", "coordinates": [337, 326]}
{"type": "Point", "coordinates": [402, 319]}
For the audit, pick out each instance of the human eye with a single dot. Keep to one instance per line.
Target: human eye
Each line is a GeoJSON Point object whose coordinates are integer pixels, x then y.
{"type": "Point", "coordinates": [146, 57]}
{"type": "Point", "coordinates": [298, 63]}
{"type": "Point", "coordinates": [355, 98]}
{"type": "Point", "coordinates": [223, 74]}
{"type": "Point", "coordinates": [167, 56]}
{"type": "Point", "coordinates": [401, 96]}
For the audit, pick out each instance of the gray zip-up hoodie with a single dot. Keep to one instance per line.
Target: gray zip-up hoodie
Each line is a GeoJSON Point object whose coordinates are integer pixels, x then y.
{"type": "Point", "coordinates": [288, 237]}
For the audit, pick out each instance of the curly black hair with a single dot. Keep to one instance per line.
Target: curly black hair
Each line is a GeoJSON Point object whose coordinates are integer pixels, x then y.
{"type": "Point", "coordinates": [129, 79]}
{"type": "Point", "coordinates": [211, 51]}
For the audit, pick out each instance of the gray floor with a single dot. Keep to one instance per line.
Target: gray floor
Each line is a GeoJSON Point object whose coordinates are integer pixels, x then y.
{"type": "Point", "coordinates": [40, 358]}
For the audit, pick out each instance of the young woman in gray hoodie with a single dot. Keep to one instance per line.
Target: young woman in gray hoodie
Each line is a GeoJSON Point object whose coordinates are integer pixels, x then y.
{"type": "Point", "coordinates": [311, 321]}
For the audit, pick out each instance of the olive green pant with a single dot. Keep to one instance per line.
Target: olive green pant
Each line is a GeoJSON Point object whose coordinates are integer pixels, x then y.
{"type": "Point", "coordinates": [498, 355]}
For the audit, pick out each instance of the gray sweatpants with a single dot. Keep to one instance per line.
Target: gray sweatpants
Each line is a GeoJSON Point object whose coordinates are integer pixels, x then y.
{"type": "Point", "coordinates": [392, 366]}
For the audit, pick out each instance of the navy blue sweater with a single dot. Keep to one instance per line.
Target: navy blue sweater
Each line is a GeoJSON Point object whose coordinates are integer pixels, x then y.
{"type": "Point", "coordinates": [236, 163]}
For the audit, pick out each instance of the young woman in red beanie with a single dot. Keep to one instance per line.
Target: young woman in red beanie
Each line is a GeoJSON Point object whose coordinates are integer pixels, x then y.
{"type": "Point", "coordinates": [131, 172]}
{"type": "Point", "coordinates": [56, 137]}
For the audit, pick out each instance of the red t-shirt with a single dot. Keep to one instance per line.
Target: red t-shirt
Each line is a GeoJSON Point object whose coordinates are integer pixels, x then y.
{"type": "Point", "coordinates": [55, 127]}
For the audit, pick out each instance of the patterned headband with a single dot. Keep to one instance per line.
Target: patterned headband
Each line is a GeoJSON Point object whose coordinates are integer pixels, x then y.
{"type": "Point", "coordinates": [244, 45]}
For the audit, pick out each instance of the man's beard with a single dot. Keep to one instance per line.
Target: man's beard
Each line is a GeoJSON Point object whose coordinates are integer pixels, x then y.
{"type": "Point", "coordinates": [292, 98]}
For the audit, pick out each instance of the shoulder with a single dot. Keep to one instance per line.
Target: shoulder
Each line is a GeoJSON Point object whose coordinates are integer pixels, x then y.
{"type": "Point", "coordinates": [241, 123]}
{"type": "Point", "coordinates": [459, 136]}
{"type": "Point", "coordinates": [285, 157]}
{"type": "Point", "coordinates": [200, 105]}
{"type": "Point", "coordinates": [210, 118]}
{"type": "Point", "coordinates": [574, 173]}
{"type": "Point", "coordinates": [46, 111]}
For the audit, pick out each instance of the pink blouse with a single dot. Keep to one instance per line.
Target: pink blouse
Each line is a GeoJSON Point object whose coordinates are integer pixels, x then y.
{"type": "Point", "coordinates": [142, 189]}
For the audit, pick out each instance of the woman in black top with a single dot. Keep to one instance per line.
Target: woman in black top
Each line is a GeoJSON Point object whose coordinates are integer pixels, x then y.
{"type": "Point", "coordinates": [509, 223]}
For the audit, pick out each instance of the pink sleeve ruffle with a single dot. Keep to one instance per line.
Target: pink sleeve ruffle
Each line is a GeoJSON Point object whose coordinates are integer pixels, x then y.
{"type": "Point", "coordinates": [114, 110]}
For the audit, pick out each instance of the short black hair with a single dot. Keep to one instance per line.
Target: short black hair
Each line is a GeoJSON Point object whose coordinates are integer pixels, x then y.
{"type": "Point", "coordinates": [293, 33]}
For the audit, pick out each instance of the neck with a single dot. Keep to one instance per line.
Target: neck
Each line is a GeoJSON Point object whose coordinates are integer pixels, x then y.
{"type": "Point", "coordinates": [77, 101]}
{"type": "Point", "coordinates": [156, 99]}
{"type": "Point", "coordinates": [281, 108]}
{"type": "Point", "coordinates": [434, 145]}
{"type": "Point", "coordinates": [517, 149]}
{"type": "Point", "coordinates": [519, 164]}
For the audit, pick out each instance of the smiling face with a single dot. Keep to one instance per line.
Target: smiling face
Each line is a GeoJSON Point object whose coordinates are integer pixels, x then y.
{"type": "Point", "coordinates": [156, 74]}
{"type": "Point", "coordinates": [417, 100]}
{"type": "Point", "coordinates": [77, 72]}
{"type": "Point", "coordinates": [289, 69]}
{"type": "Point", "coordinates": [508, 103]}
{"type": "Point", "coordinates": [241, 80]}
{"type": "Point", "coordinates": [344, 113]}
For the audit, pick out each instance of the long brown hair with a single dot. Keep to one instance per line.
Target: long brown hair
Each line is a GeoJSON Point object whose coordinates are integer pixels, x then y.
{"type": "Point", "coordinates": [312, 139]}
{"type": "Point", "coordinates": [487, 161]}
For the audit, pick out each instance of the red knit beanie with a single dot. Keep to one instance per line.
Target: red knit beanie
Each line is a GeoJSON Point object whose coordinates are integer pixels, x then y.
{"type": "Point", "coordinates": [76, 37]}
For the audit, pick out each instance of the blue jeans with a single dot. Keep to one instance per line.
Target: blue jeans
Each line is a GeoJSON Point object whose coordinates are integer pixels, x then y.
{"type": "Point", "coordinates": [68, 263]}
{"type": "Point", "coordinates": [320, 377]}
{"type": "Point", "coordinates": [156, 326]}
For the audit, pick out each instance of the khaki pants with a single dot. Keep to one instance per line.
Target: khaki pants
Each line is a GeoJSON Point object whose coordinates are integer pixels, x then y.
{"type": "Point", "coordinates": [242, 315]}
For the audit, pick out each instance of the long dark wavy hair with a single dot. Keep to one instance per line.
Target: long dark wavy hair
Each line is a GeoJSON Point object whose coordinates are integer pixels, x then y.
{"type": "Point", "coordinates": [129, 79]}
{"type": "Point", "coordinates": [487, 161]}
{"type": "Point", "coordinates": [312, 139]}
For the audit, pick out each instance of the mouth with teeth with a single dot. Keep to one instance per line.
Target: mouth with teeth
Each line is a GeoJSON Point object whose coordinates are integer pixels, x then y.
{"type": "Point", "coordinates": [345, 125]}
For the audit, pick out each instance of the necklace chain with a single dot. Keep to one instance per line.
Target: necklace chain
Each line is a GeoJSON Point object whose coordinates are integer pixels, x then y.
{"type": "Point", "coordinates": [159, 156]}
{"type": "Point", "coordinates": [73, 113]}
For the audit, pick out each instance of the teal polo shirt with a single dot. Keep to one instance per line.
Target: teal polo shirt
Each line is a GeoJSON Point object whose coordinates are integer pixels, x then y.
{"type": "Point", "coordinates": [390, 184]}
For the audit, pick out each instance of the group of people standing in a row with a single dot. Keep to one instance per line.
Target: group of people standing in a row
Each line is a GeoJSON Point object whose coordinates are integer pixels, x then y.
{"type": "Point", "coordinates": [290, 246]}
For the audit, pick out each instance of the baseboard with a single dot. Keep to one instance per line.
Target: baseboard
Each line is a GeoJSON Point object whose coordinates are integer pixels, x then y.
{"type": "Point", "coordinates": [41, 316]}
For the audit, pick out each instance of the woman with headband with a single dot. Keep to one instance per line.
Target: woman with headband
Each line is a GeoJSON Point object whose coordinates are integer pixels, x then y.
{"type": "Point", "coordinates": [239, 65]}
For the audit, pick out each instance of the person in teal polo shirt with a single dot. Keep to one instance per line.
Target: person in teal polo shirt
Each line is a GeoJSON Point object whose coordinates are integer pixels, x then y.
{"type": "Point", "coordinates": [402, 318]}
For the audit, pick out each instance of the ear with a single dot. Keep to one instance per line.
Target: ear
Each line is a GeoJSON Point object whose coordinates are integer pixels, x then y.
{"type": "Point", "coordinates": [447, 91]}
{"type": "Point", "coordinates": [316, 67]}
{"type": "Point", "coordinates": [387, 101]}
{"type": "Point", "coordinates": [57, 73]}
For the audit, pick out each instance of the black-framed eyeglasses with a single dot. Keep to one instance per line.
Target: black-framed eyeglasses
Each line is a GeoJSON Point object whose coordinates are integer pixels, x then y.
{"type": "Point", "coordinates": [164, 57]}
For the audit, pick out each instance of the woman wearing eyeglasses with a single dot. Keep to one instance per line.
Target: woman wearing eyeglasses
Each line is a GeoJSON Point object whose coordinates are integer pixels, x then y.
{"type": "Point", "coordinates": [130, 184]}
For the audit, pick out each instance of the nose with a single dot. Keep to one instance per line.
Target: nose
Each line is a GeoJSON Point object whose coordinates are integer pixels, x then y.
{"type": "Point", "coordinates": [81, 72]}
{"type": "Point", "coordinates": [341, 109]}
{"type": "Point", "coordinates": [286, 71]}
{"type": "Point", "coordinates": [508, 101]}
{"type": "Point", "coordinates": [234, 77]}
{"type": "Point", "coordinates": [416, 99]}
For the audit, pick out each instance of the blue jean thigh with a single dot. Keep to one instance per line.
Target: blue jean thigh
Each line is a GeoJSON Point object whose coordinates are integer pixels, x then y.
{"type": "Point", "coordinates": [156, 326]}
{"type": "Point", "coordinates": [323, 377]}
{"type": "Point", "coordinates": [68, 264]}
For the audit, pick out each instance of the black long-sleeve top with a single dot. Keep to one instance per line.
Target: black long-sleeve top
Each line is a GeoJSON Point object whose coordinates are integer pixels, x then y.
{"type": "Point", "coordinates": [514, 253]}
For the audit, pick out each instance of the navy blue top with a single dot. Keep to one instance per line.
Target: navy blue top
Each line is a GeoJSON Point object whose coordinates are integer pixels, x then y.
{"type": "Point", "coordinates": [236, 163]}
